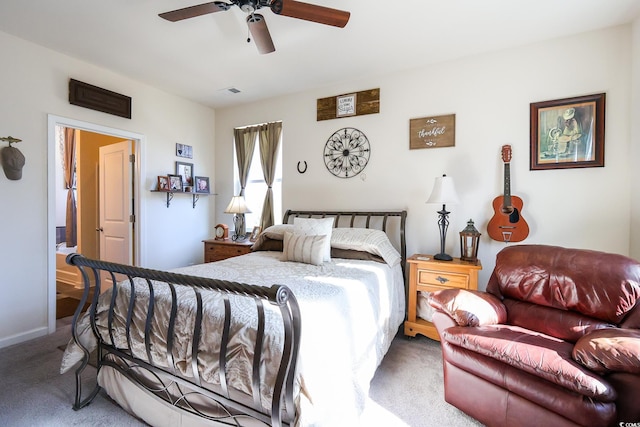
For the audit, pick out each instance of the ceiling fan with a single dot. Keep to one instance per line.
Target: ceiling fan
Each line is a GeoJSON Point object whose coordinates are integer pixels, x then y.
{"type": "Point", "coordinates": [256, 23]}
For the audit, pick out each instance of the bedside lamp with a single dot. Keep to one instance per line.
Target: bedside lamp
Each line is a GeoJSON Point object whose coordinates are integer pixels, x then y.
{"type": "Point", "coordinates": [443, 193]}
{"type": "Point", "coordinates": [238, 207]}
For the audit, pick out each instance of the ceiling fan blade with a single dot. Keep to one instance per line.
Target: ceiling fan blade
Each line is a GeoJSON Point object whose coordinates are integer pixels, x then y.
{"type": "Point", "coordinates": [310, 12]}
{"type": "Point", "coordinates": [260, 33]}
{"type": "Point", "coordinates": [193, 11]}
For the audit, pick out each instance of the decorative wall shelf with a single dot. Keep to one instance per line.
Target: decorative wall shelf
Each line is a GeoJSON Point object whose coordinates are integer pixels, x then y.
{"type": "Point", "coordinates": [194, 196]}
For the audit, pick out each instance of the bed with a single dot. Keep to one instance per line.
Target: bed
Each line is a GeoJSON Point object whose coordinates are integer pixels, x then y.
{"type": "Point", "coordinates": [290, 334]}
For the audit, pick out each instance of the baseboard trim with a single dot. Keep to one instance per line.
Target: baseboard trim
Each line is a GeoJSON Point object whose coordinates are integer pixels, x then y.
{"type": "Point", "coordinates": [24, 336]}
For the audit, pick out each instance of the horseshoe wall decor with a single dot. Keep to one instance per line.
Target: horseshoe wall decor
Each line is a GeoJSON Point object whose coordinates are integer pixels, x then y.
{"type": "Point", "coordinates": [305, 167]}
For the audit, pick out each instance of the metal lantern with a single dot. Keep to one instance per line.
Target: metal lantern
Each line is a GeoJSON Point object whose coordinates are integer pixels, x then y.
{"type": "Point", "coordinates": [469, 241]}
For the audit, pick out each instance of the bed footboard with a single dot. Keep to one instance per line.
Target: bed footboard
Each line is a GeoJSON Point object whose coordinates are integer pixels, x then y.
{"type": "Point", "coordinates": [222, 403]}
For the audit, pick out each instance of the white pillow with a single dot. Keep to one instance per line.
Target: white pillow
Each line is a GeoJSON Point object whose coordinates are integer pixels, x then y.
{"type": "Point", "coordinates": [276, 231]}
{"type": "Point", "coordinates": [303, 248]}
{"type": "Point", "coordinates": [368, 240]}
{"type": "Point", "coordinates": [316, 227]}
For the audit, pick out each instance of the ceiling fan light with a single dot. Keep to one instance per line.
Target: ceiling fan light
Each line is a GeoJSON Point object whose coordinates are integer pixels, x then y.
{"type": "Point", "coordinates": [260, 33]}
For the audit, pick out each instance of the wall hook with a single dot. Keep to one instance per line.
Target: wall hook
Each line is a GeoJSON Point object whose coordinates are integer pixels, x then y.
{"type": "Point", "coordinates": [305, 167]}
{"type": "Point", "coordinates": [10, 139]}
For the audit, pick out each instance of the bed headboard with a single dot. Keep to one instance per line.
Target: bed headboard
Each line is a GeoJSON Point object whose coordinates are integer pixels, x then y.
{"type": "Point", "coordinates": [391, 222]}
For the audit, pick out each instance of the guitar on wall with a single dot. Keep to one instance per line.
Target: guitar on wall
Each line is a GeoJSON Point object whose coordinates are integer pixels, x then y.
{"type": "Point", "coordinates": [507, 224]}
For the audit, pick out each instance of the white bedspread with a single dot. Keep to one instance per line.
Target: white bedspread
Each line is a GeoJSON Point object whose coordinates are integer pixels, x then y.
{"type": "Point", "coordinates": [351, 310]}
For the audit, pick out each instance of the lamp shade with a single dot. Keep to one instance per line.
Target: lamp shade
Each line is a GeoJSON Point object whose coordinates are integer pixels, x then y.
{"type": "Point", "coordinates": [237, 205]}
{"type": "Point", "coordinates": [444, 191]}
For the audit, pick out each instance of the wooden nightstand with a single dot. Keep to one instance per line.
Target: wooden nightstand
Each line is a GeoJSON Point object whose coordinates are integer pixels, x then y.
{"type": "Point", "coordinates": [430, 275]}
{"type": "Point", "coordinates": [217, 250]}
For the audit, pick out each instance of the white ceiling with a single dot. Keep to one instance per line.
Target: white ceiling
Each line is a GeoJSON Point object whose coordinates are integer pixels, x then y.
{"type": "Point", "coordinates": [201, 58]}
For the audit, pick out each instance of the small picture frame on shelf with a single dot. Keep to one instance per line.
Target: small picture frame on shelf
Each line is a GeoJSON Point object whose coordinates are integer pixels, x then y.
{"type": "Point", "coordinates": [255, 233]}
{"type": "Point", "coordinates": [185, 170]}
{"type": "Point", "coordinates": [175, 182]}
{"type": "Point", "coordinates": [188, 189]}
{"type": "Point", "coordinates": [163, 183]}
{"type": "Point", "coordinates": [202, 184]}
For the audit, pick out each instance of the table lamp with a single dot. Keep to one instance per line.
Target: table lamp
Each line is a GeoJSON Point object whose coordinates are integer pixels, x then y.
{"type": "Point", "coordinates": [238, 207]}
{"type": "Point", "coordinates": [443, 193]}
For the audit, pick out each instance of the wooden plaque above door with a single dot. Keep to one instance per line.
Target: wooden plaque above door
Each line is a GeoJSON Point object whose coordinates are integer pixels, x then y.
{"type": "Point", "coordinates": [349, 104]}
{"type": "Point", "coordinates": [99, 99]}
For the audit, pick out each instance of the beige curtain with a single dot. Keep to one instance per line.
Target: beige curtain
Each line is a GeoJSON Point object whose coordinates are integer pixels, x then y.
{"type": "Point", "coordinates": [69, 159]}
{"type": "Point", "coordinates": [269, 142]}
{"type": "Point", "coordinates": [245, 140]}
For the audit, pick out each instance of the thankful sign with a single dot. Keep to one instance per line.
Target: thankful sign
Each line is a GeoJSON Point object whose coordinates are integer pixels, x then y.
{"type": "Point", "coordinates": [432, 132]}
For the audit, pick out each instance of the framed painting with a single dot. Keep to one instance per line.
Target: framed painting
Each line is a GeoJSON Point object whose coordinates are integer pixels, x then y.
{"type": "Point", "coordinates": [568, 133]}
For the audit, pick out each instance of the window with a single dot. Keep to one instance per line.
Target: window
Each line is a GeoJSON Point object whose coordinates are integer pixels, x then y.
{"type": "Point", "coordinates": [256, 189]}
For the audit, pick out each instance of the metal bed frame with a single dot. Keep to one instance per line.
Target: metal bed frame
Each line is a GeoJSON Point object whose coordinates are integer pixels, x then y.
{"type": "Point", "coordinates": [176, 389]}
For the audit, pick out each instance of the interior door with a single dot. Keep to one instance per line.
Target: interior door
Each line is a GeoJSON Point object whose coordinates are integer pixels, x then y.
{"type": "Point", "coordinates": [115, 216]}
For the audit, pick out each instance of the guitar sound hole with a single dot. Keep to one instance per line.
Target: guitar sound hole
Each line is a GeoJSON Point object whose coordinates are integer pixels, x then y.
{"type": "Point", "coordinates": [514, 217]}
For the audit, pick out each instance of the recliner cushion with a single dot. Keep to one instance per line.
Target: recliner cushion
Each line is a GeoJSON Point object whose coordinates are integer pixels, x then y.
{"type": "Point", "coordinates": [597, 284]}
{"type": "Point", "coordinates": [562, 324]}
{"type": "Point", "coordinates": [581, 409]}
{"type": "Point", "coordinates": [538, 354]}
{"type": "Point", "coordinates": [609, 350]}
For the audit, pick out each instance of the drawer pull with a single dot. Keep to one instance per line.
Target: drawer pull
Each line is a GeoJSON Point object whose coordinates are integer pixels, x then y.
{"type": "Point", "coordinates": [442, 280]}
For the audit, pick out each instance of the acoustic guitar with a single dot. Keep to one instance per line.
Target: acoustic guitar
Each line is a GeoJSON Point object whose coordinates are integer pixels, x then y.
{"type": "Point", "coordinates": [507, 224]}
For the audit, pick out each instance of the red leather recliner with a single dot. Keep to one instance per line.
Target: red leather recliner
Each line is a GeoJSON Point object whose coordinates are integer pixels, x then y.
{"type": "Point", "coordinates": [554, 341]}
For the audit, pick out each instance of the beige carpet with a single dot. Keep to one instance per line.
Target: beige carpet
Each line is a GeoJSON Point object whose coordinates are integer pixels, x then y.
{"type": "Point", "coordinates": [405, 392]}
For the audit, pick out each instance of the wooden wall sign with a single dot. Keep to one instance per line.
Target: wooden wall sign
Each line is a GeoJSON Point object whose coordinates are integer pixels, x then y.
{"type": "Point", "coordinates": [432, 132]}
{"type": "Point", "coordinates": [99, 99]}
{"type": "Point", "coordinates": [349, 104]}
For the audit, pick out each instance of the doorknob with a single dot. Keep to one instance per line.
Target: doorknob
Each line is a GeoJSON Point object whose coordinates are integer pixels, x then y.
{"type": "Point", "coordinates": [100, 229]}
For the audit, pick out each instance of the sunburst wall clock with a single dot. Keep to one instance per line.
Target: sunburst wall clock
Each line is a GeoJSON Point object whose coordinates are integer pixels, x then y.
{"type": "Point", "coordinates": [347, 152]}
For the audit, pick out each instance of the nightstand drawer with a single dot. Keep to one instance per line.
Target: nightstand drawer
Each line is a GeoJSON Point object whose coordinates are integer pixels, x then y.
{"type": "Point", "coordinates": [217, 250]}
{"type": "Point", "coordinates": [229, 251]}
{"type": "Point", "coordinates": [439, 278]}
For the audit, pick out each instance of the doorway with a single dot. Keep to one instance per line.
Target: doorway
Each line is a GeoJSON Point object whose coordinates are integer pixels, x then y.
{"type": "Point", "coordinates": [91, 137]}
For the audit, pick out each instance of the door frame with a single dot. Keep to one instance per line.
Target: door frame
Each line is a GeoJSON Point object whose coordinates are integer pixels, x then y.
{"type": "Point", "coordinates": [139, 253]}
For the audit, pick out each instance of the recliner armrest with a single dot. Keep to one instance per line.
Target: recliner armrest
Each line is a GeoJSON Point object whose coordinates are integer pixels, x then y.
{"type": "Point", "coordinates": [469, 308]}
{"type": "Point", "coordinates": [609, 350]}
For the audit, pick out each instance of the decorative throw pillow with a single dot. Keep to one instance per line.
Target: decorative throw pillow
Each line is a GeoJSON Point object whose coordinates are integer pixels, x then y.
{"type": "Point", "coordinates": [266, 244]}
{"type": "Point", "coordinates": [303, 248]}
{"type": "Point", "coordinates": [368, 240]}
{"type": "Point", "coordinates": [316, 227]}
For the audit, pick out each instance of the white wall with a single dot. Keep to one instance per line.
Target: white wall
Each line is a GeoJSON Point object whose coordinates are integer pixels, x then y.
{"type": "Point", "coordinates": [634, 159]}
{"type": "Point", "coordinates": [490, 95]}
{"type": "Point", "coordinates": [34, 83]}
